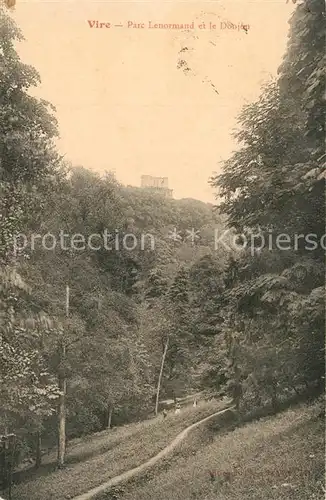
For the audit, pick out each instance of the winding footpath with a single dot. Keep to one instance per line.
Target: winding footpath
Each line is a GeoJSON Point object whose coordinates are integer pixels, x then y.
{"type": "Point", "coordinates": [121, 478]}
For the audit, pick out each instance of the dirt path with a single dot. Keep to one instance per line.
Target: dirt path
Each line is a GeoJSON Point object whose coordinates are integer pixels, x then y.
{"type": "Point", "coordinates": [146, 465]}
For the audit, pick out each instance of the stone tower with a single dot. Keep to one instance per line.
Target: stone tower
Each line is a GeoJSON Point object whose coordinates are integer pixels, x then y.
{"type": "Point", "coordinates": [158, 184]}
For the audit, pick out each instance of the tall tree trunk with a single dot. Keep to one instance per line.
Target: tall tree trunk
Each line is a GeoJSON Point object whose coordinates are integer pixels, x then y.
{"type": "Point", "coordinates": [110, 417]}
{"type": "Point", "coordinates": [160, 376]}
{"type": "Point", "coordinates": [38, 446]}
{"type": "Point", "coordinates": [62, 398]}
{"type": "Point", "coordinates": [275, 404]}
{"type": "Point", "coordinates": [62, 421]}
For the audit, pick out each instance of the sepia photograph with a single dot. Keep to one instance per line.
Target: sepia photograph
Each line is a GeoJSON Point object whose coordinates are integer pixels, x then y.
{"type": "Point", "coordinates": [162, 249]}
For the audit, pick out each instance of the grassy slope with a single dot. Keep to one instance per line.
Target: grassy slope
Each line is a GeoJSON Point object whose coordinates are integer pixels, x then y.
{"type": "Point", "coordinates": [94, 461]}
{"type": "Point", "coordinates": [278, 458]}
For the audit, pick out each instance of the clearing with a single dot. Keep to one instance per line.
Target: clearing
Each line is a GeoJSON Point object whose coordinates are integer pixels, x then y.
{"type": "Point", "coordinates": [275, 458]}
{"type": "Point", "coordinates": [96, 459]}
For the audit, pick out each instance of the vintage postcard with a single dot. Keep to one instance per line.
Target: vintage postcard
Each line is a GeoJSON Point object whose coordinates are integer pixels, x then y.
{"type": "Point", "coordinates": [162, 249]}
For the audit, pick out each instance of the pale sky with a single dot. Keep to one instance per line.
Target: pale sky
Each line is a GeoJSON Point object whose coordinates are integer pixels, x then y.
{"type": "Point", "coordinates": [122, 103]}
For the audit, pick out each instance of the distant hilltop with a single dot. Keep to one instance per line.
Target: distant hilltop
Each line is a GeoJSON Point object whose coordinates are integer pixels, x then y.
{"type": "Point", "coordinates": [159, 184]}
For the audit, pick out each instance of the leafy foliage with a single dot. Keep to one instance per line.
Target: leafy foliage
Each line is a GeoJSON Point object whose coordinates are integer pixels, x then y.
{"type": "Point", "coordinates": [275, 184]}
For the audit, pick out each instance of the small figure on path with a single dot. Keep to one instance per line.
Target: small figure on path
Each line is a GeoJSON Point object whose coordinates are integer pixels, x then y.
{"type": "Point", "coordinates": [165, 413]}
{"type": "Point", "coordinates": [177, 408]}
{"type": "Point", "coordinates": [195, 403]}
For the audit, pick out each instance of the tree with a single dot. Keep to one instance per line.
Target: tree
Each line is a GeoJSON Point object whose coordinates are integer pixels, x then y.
{"type": "Point", "coordinates": [28, 158]}
{"type": "Point", "coordinates": [275, 184]}
{"type": "Point", "coordinates": [29, 164]}
{"type": "Point", "coordinates": [302, 72]}
{"type": "Point", "coordinates": [207, 285]}
{"type": "Point", "coordinates": [28, 390]}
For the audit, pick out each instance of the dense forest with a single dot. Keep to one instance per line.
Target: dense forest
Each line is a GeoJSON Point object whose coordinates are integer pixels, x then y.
{"type": "Point", "coordinates": [91, 338]}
